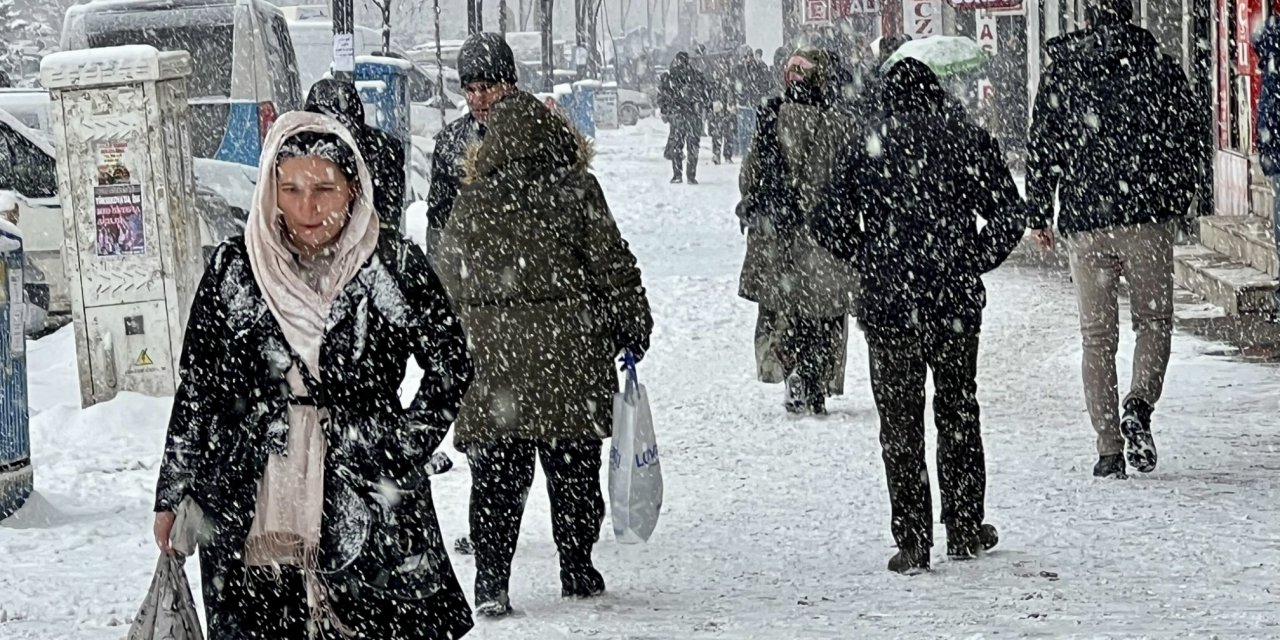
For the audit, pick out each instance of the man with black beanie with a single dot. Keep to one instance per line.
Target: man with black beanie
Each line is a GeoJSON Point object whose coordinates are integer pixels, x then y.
{"type": "Point", "coordinates": [487, 71]}
{"type": "Point", "coordinates": [382, 152]}
{"type": "Point", "coordinates": [1116, 139]}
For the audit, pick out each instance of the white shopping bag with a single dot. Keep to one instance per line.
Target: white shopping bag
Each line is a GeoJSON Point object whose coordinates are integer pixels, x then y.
{"type": "Point", "coordinates": [635, 472]}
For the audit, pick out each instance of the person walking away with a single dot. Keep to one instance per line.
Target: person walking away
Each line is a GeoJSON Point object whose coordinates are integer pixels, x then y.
{"type": "Point", "coordinates": [384, 154]}
{"type": "Point", "coordinates": [475, 69]}
{"type": "Point", "coordinates": [724, 113]}
{"type": "Point", "coordinates": [905, 209]}
{"type": "Point", "coordinates": [803, 293]}
{"type": "Point", "coordinates": [288, 430]}
{"type": "Point", "coordinates": [1267, 45]}
{"type": "Point", "coordinates": [683, 96]}
{"type": "Point", "coordinates": [1115, 136]}
{"type": "Point", "coordinates": [549, 294]}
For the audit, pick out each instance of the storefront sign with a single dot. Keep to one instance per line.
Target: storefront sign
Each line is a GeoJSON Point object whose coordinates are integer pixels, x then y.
{"type": "Point", "coordinates": [985, 4]}
{"type": "Point", "coordinates": [922, 18]}
{"type": "Point", "coordinates": [986, 27]}
{"type": "Point", "coordinates": [817, 12]}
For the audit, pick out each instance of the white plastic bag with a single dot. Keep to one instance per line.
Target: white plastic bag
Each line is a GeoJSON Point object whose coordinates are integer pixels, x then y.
{"type": "Point", "coordinates": [169, 610]}
{"type": "Point", "coordinates": [635, 472]}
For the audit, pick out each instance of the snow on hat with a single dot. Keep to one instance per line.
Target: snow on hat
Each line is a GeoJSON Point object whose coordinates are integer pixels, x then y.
{"type": "Point", "coordinates": [486, 57]}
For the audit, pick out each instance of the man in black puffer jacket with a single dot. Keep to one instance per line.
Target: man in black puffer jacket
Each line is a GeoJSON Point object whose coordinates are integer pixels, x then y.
{"type": "Point", "coordinates": [904, 209]}
{"type": "Point", "coordinates": [1116, 138]}
{"type": "Point", "coordinates": [683, 98]}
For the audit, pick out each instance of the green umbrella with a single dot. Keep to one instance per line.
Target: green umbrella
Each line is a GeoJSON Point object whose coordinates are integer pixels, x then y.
{"type": "Point", "coordinates": [946, 55]}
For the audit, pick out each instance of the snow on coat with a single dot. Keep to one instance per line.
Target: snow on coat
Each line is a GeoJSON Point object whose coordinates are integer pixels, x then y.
{"type": "Point", "coordinates": [786, 171]}
{"type": "Point", "coordinates": [547, 289]}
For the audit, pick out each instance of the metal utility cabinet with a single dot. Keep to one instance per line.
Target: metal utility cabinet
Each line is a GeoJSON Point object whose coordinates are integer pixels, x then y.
{"type": "Point", "coordinates": [131, 235]}
{"type": "Point", "coordinates": [15, 436]}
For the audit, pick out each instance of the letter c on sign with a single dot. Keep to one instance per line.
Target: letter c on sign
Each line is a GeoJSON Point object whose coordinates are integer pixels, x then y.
{"type": "Point", "coordinates": [924, 9]}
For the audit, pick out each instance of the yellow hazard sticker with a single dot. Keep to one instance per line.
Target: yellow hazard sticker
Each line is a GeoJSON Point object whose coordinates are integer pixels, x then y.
{"type": "Point", "coordinates": [143, 360]}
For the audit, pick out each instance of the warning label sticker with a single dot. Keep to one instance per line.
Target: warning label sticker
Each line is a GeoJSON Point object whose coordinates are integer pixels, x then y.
{"type": "Point", "coordinates": [143, 360]}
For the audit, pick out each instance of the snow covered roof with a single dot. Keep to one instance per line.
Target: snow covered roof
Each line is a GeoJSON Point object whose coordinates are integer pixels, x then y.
{"type": "Point", "coordinates": [37, 138]}
{"type": "Point", "coordinates": [390, 62]}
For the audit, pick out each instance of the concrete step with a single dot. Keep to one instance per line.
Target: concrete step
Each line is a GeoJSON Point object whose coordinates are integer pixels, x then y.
{"type": "Point", "coordinates": [1237, 288]}
{"type": "Point", "coordinates": [1244, 239]}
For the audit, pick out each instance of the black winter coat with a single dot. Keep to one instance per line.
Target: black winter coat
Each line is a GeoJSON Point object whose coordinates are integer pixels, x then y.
{"type": "Point", "coordinates": [448, 166]}
{"type": "Point", "coordinates": [1115, 135]}
{"type": "Point", "coordinates": [904, 208]}
{"type": "Point", "coordinates": [684, 92]}
{"type": "Point", "coordinates": [233, 391]}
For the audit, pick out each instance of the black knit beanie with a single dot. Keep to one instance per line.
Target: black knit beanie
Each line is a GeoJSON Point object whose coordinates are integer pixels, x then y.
{"type": "Point", "coordinates": [1100, 12]}
{"type": "Point", "coordinates": [486, 57]}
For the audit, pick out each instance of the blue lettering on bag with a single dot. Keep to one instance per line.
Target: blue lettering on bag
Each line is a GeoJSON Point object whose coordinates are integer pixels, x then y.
{"type": "Point", "coordinates": [615, 458]}
{"type": "Point", "coordinates": [647, 458]}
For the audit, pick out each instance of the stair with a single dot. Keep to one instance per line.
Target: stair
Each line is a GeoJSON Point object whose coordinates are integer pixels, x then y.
{"type": "Point", "coordinates": [1237, 288]}
{"type": "Point", "coordinates": [1244, 239]}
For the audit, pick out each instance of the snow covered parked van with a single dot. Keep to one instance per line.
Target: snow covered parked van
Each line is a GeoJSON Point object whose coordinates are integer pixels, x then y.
{"type": "Point", "coordinates": [245, 73]}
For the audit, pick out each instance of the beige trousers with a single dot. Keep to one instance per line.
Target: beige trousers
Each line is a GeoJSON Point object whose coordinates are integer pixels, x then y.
{"type": "Point", "coordinates": [1143, 254]}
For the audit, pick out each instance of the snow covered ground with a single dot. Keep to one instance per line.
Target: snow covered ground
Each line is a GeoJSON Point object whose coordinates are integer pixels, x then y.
{"type": "Point", "coordinates": [773, 527]}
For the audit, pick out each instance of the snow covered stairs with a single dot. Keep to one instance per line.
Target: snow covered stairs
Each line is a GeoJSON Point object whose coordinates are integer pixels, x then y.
{"type": "Point", "coordinates": [1234, 267]}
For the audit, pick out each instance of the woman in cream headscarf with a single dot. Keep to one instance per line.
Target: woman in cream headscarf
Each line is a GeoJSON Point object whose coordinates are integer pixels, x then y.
{"type": "Point", "coordinates": [288, 430]}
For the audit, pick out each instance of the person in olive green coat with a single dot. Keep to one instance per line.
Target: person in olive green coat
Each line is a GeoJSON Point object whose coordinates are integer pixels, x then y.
{"type": "Point", "coordinates": [549, 295]}
{"type": "Point", "coordinates": [805, 294]}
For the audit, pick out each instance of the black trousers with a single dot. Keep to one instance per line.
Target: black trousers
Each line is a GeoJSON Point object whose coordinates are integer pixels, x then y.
{"type": "Point", "coordinates": [810, 348]}
{"type": "Point", "coordinates": [724, 133]}
{"type": "Point", "coordinates": [501, 476]}
{"type": "Point", "coordinates": [898, 371]}
{"type": "Point", "coordinates": [682, 141]}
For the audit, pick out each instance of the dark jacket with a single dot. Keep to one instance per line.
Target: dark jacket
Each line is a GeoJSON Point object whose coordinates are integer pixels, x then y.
{"type": "Point", "coordinates": [684, 92]}
{"type": "Point", "coordinates": [1115, 134]}
{"type": "Point", "coordinates": [756, 84]}
{"type": "Point", "coordinates": [233, 394]}
{"type": "Point", "coordinates": [547, 289]}
{"type": "Point", "coordinates": [384, 154]}
{"type": "Point", "coordinates": [1267, 45]}
{"type": "Point", "coordinates": [905, 207]}
{"type": "Point", "coordinates": [448, 164]}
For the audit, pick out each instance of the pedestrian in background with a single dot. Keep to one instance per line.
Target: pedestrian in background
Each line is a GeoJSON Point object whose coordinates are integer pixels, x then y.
{"type": "Point", "coordinates": [804, 294]}
{"type": "Point", "coordinates": [684, 96]}
{"type": "Point", "coordinates": [904, 209]}
{"type": "Point", "coordinates": [1115, 143]}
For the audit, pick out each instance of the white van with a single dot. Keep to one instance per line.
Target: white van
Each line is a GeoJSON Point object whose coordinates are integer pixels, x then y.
{"type": "Point", "coordinates": [28, 106]}
{"type": "Point", "coordinates": [244, 75]}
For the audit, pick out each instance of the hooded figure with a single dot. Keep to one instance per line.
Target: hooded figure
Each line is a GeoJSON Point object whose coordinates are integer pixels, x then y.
{"type": "Point", "coordinates": [549, 294]}
{"type": "Point", "coordinates": [904, 209]}
{"type": "Point", "coordinates": [384, 154]}
{"type": "Point", "coordinates": [684, 95]}
{"type": "Point", "coordinates": [804, 294]}
{"type": "Point", "coordinates": [288, 429]}
{"type": "Point", "coordinates": [1118, 152]}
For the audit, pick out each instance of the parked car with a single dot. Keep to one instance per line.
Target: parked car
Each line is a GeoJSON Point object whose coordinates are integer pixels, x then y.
{"type": "Point", "coordinates": [244, 69]}
{"type": "Point", "coordinates": [29, 106]}
{"type": "Point", "coordinates": [28, 167]}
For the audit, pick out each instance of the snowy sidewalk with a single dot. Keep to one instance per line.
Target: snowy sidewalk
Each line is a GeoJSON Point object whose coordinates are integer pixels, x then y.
{"type": "Point", "coordinates": [774, 527]}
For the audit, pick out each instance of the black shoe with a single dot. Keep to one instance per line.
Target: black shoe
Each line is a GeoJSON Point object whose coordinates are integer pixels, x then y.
{"type": "Point", "coordinates": [497, 605]}
{"type": "Point", "coordinates": [463, 546]}
{"type": "Point", "coordinates": [1140, 447]}
{"type": "Point", "coordinates": [676, 179]}
{"type": "Point", "coordinates": [795, 401]}
{"type": "Point", "coordinates": [581, 582]}
{"type": "Point", "coordinates": [693, 180]}
{"type": "Point", "coordinates": [817, 405]}
{"type": "Point", "coordinates": [715, 159]}
{"type": "Point", "coordinates": [966, 546]}
{"type": "Point", "coordinates": [910, 562]}
{"type": "Point", "coordinates": [1110, 467]}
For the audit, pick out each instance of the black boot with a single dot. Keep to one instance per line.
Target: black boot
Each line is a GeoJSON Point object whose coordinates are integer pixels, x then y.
{"type": "Point", "coordinates": [965, 545]}
{"type": "Point", "coordinates": [910, 561]}
{"type": "Point", "coordinates": [581, 582]}
{"type": "Point", "coordinates": [463, 546]}
{"type": "Point", "coordinates": [795, 402]}
{"type": "Point", "coordinates": [675, 173]}
{"type": "Point", "coordinates": [1110, 467]}
{"type": "Point", "coordinates": [691, 173]}
{"type": "Point", "coordinates": [1140, 447]}
{"type": "Point", "coordinates": [496, 605]}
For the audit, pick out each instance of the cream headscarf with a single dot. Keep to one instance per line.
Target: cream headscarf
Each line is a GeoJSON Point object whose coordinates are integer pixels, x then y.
{"type": "Point", "coordinates": [290, 504]}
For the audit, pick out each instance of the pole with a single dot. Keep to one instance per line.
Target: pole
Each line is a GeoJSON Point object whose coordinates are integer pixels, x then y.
{"type": "Point", "coordinates": [502, 17]}
{"type": "Point", "coordinates": [439, 65]}
{"type": "Point", "coordinates": [344, 41]}
{"type": "Point", "coordinates": [548, 61]}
